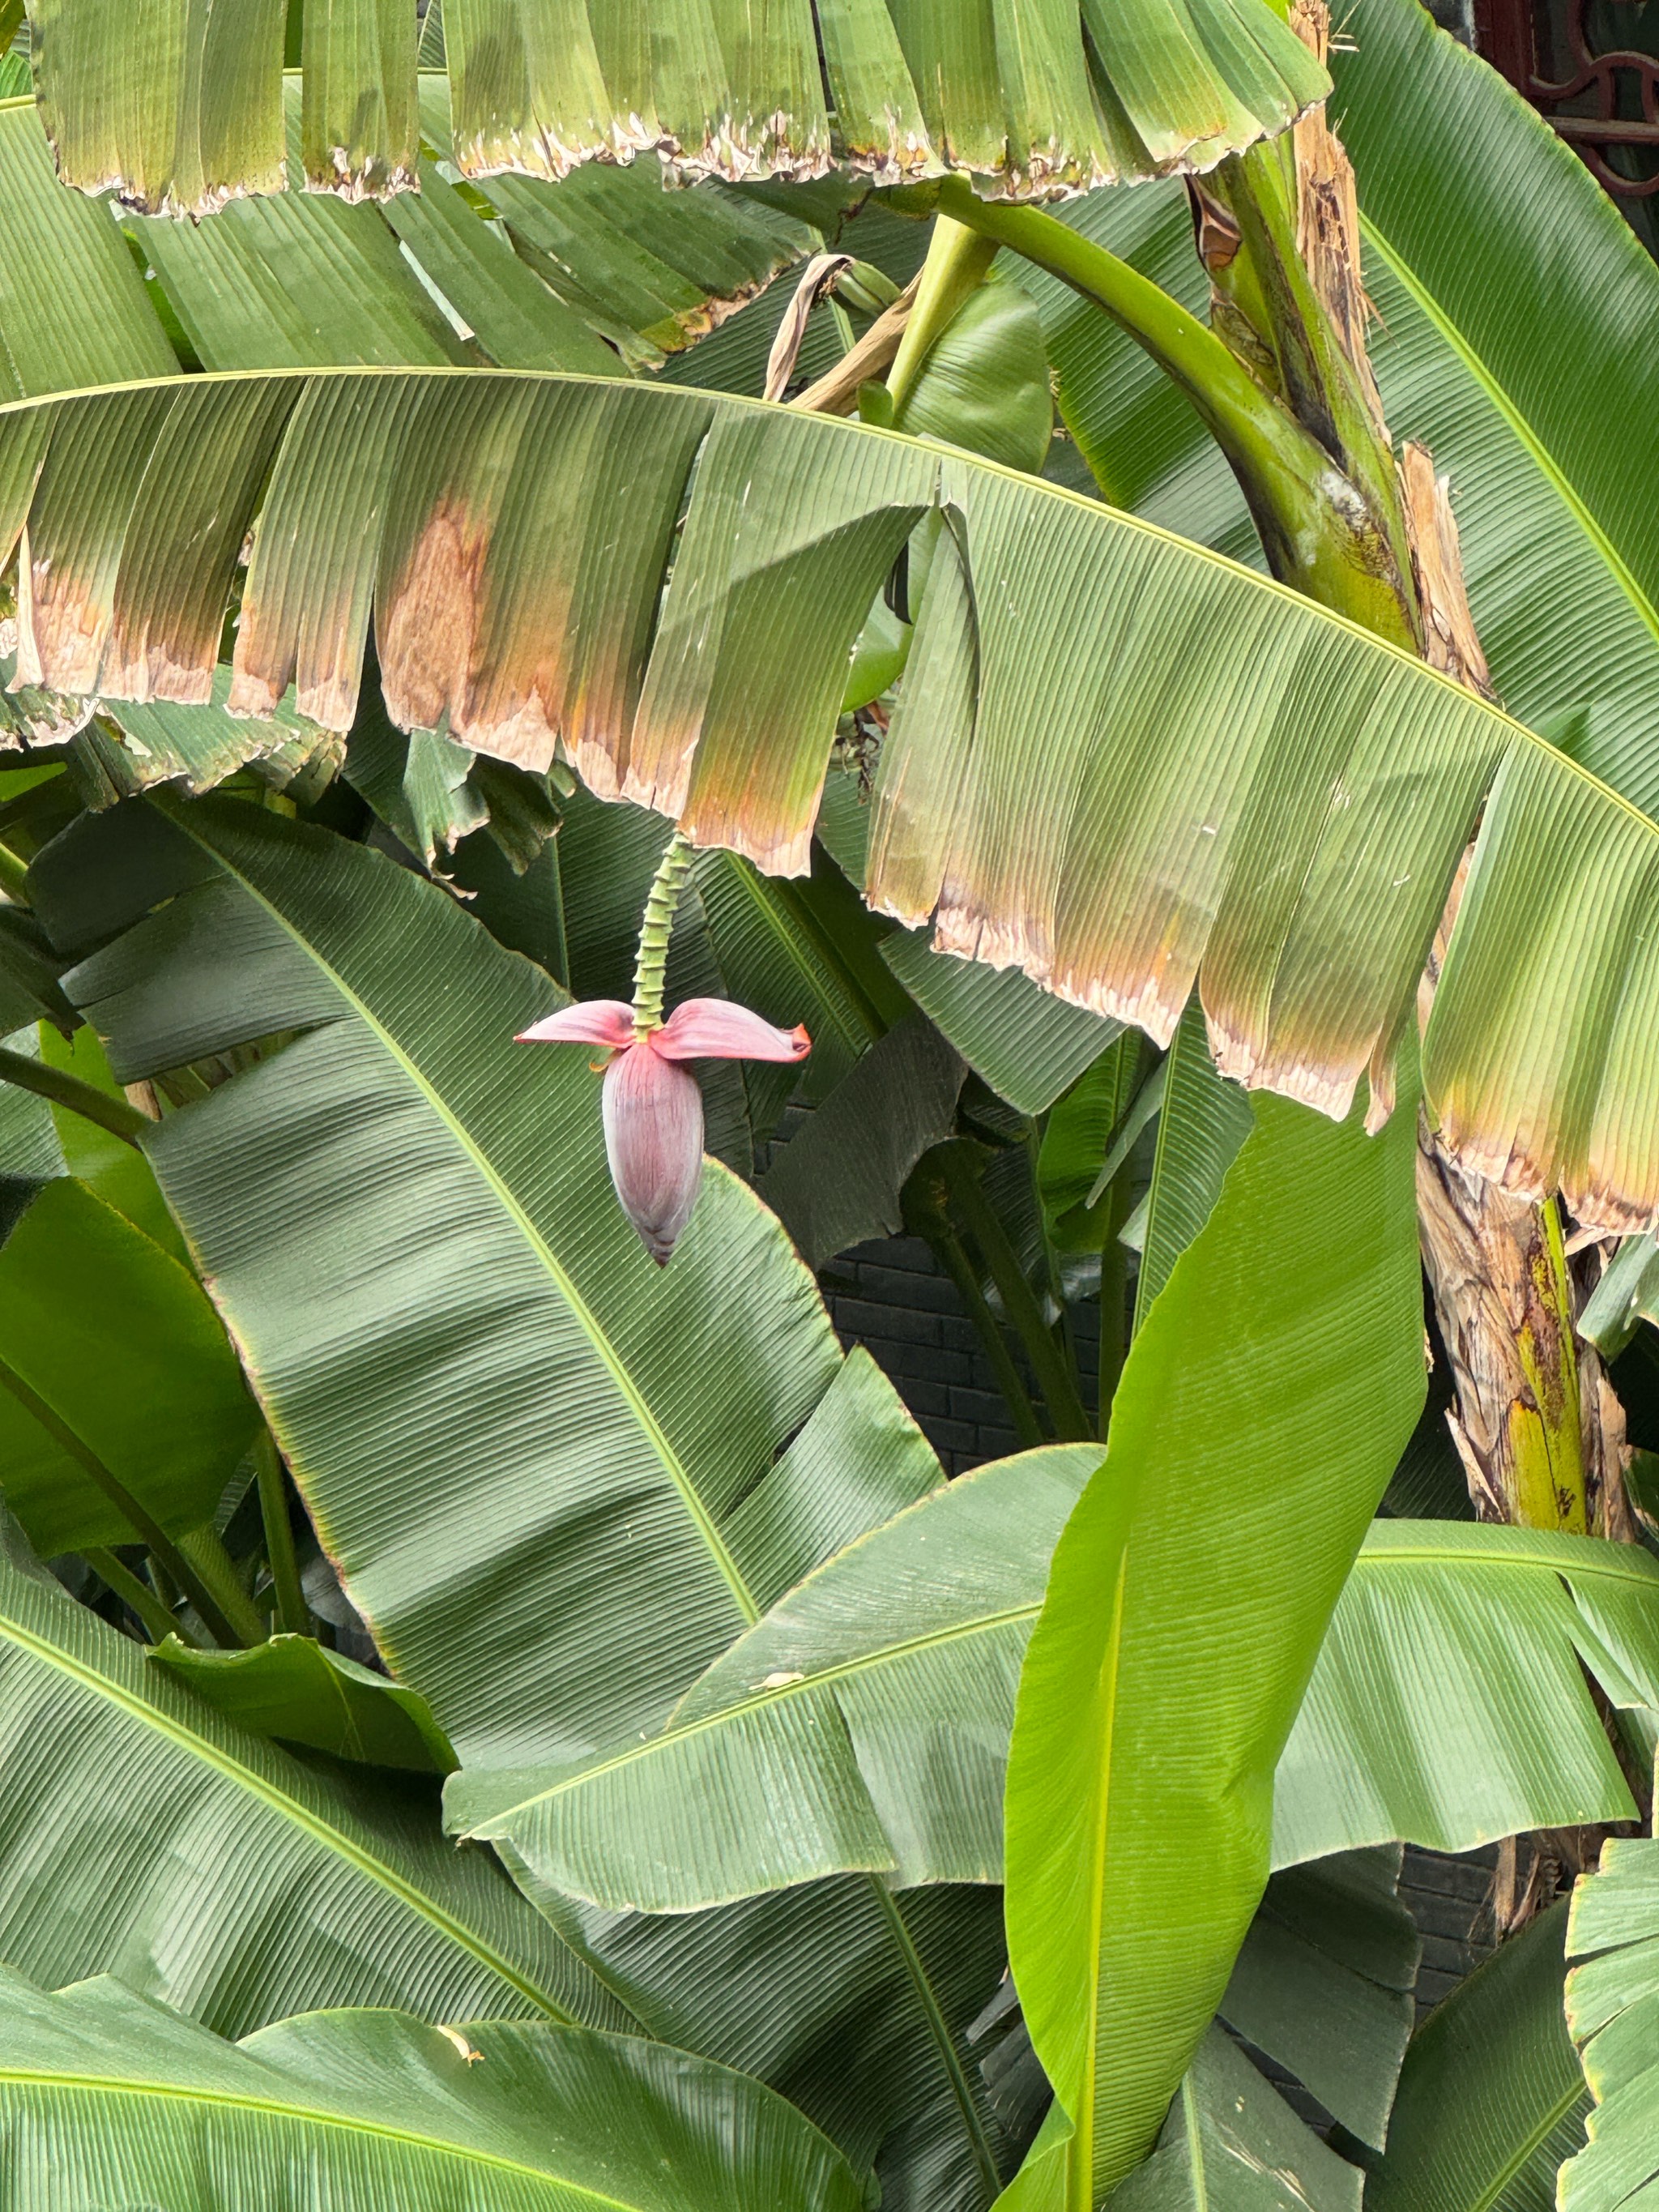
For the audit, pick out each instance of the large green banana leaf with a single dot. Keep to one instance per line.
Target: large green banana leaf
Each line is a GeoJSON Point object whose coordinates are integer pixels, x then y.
{"type": "Point", "coordinates": [1182, 1618]}
{"type": "Point", "coordinates": [140, 1833]}
{"type": "Point", "coordinates": [1491, 2098]}
{"type": "Point", "coordinates": [1394, 1747]}
{"type": "Point", "coordinates": [105, 2095]}
{"type": "Point", "coordinates": [1317, 786]}
{"type": "Point", "coordinates": [559, 1492]}
{"type": "Point", "coordinates": [178, 109]}
{"type": "Point", "coordinates": [115, 1379]}
{"type": "Point", "coordinates": [1613, 2011]}
{"type": "Point", "coordinates": [864, 1720]}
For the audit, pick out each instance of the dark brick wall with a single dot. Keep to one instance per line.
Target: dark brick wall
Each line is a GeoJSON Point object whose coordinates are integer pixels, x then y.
{"type": "Point", "coordinates": [1449, 1901]}
{"type": "Point", "coordinates": [892, 1298]}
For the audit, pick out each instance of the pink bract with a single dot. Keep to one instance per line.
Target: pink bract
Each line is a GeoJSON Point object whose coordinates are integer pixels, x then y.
{"type": "Point", "coordinates": [653, 1108]}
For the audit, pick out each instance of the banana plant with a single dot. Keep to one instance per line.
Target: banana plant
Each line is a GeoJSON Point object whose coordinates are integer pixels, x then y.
{"type": "Point", "coordinates": [746, 1715]}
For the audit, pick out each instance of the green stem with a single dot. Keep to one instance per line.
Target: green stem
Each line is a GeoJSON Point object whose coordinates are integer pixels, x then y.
{"type": "Point", "coordinates": [144, 1526]}
{"type": "Point", "coordinates": [1113, 1299]}
{"type": "Point", "coordinates": [203, 1550]}
{"type": "Point", "coordinates": [1321, 383]}
{"type": "Point", "coordinates": [656, 928]}
{"type": "Point", "coordinates": [137, 1597]}
{"type": "Point", "coordinates": [14, 876]}
{"type": "Point", "coordinates": [293, 1614]}
{"type": "Point", "coordinates": [1317, 528]}
{"type": "Point", "coordinates": [957, 258]}
{"type": "Point", "coordinates": [948, 1249]}
{"type": "Point", "coordinates": [1048, 1364]}
{"type": "Point", "coordinates": [116, 1114]}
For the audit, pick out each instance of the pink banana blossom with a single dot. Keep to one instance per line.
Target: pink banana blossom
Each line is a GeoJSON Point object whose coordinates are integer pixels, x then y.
{"type": "Point", "coordinates": [652, 1105]}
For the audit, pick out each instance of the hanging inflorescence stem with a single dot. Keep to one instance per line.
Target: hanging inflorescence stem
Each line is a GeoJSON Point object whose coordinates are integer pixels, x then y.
{"type": "Point", "coordinates": [656, 928]}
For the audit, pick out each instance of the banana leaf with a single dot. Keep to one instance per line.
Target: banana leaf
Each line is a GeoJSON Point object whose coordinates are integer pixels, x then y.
{"type": "Point", "coordinates": [1041, 94]}
{"type": "Point", "coordinates": [1612, 2003]}
{"type": "Point", "coordinates": [1322, 1985]}
{"type": "Point", "coordinates": [1544, 1025]}
{"type": "Point", "coordinates": [115, 1172]}
{"type": "Point", "coordinates": [1447, 1707]}
{"type": "Point", "coordinates": [1183, 1616]}
{"type": "Point", "coordinates": [837, 1181]}
{"type": "Point", "coordinates": [559, 1496]}
{"type": "Point", "coordinates": [1232, 2144]}
{"type": "Point", "coordinates": [1323, 1982]}
{"type": "Point", "coordinates": [108, 2092]}
{"type": "Point", "coordinates": [1517, 352]}
{"type": "Point", "coordinates": [1387, 1743]}
{"type": "Point", "coordinates": [1627, 1296]}
{"type": "Point", "coordinates": [140, 1833]}
{"type": "Point", "coordinates": [115, 1381]}
{"type": "Point", "coordinates": [861, 1724]}
{"type": "Point", "coordinates": [620, 267]}
{"type": "Point", "coordinates": [1490, 2096]}
{"type": "Point", "coordinates": [1027, 1045]}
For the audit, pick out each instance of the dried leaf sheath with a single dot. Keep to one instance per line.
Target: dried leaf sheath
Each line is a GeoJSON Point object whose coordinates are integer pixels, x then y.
{"type": "Point", "coordinates": [1121, 762]}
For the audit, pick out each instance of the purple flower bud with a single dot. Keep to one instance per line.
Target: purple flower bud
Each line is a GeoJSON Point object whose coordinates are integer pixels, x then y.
{"type": "Point", "coordinates": [652, 1105]}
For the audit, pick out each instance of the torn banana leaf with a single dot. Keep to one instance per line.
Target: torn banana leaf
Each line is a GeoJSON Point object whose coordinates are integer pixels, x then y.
{"type": "Point", "coordinates": [178, 112]}
{"type": "Point", "coordinates": [1120, 762]}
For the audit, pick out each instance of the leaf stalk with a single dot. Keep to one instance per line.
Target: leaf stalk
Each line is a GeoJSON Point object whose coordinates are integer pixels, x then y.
{"type": "Point", "coordinates": [148, 1530]}
{"type": "Point", "coordinates": [293, 1614]}
{"type": "Point", "coordinates": [117, 1116]}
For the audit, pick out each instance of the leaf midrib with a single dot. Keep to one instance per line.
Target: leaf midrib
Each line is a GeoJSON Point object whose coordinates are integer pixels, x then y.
{"type": "Point", "coordinates": [757, 1701]}
{"type": "Point", "coordinates": [1623, 1563]}
{"type": "Point", "coordinates": [1541, 453]}
{"type": "Point", "coordinates": [277, 1800]}
{"type": "Point", "coordinates": [1534, 2141]}
{"type": "Point", "coordinates": [627, 1389]}
{"type": "Point", "coordinates": [1079, 2170]}
{"type": "Point", "coordinates": [308, 2116]}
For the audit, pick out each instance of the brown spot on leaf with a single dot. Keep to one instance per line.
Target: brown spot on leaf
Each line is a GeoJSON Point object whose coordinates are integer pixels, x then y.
{"type": "Point", "coordinates": [428, 631]}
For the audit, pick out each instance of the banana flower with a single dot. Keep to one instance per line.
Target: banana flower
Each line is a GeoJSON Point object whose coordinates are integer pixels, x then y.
{"type": "Point", "coordinates": [652, 1106]}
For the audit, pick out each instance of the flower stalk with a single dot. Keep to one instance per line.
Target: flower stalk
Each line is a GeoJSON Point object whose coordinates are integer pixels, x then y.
{"type": "Point", "coordinates": [656, 928]}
